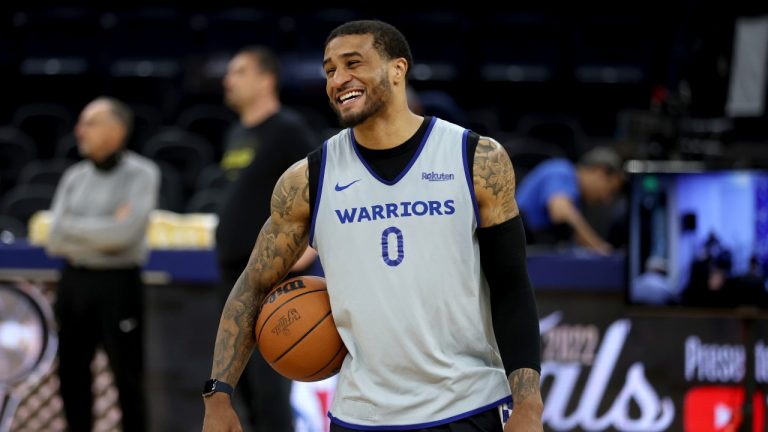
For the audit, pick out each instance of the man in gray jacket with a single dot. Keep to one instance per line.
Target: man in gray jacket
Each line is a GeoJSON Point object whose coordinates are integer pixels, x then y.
{"type": "Point", "coordinates": [100, 214]}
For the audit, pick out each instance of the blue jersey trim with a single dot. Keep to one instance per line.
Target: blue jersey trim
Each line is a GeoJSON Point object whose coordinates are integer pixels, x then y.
{"type": "Point", "coordinates": [492, 405]}
{"type": "Point", "coordinates": [470, 181]}
{"type": "Point", "coordinates": [319, 193]}
{"type": "Point", "coordinates": [407, 168]}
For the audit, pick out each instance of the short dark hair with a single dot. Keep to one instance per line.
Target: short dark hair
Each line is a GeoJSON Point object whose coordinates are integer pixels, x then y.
{"type": "Point", "coordinates": [265, 59]}
{"type": "Point", "coordinates": [388, 40]}
{"type": "Point", "coordinates": [602, 157]}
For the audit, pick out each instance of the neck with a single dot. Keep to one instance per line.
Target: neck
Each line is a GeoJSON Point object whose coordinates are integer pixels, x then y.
{"type": "Point", "coordinates": [585, 176]}
{"type": "Point", "coordinates": [581, 175]}
{"type": "Point", "coordinates": [387, 130]}
{"type": "Point", "coordinates": [259, 111]}
{"type": "Point", "coordinates": [109, 162]}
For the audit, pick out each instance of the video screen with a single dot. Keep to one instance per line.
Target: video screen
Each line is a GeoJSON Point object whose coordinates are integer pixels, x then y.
{"type": "Point", "coordinates": [698, 239]}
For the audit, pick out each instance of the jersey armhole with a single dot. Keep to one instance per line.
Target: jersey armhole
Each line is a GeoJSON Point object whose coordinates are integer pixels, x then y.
{"type": "Point", "coordinates": [316, 172]}
{"type": "Point", "coordinates": [469, 142]}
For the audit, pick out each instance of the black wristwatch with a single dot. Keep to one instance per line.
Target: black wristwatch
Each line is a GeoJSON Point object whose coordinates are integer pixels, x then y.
{"type": "Point", "coordinates": [213, 385]}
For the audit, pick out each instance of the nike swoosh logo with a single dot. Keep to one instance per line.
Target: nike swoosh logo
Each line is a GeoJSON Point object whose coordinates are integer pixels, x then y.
{"type": "Point", "coordinates": [341, 188]}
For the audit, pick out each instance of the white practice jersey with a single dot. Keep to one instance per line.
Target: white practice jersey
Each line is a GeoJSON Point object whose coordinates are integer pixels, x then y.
{"type": "Point", "coordinates": [402, 264]}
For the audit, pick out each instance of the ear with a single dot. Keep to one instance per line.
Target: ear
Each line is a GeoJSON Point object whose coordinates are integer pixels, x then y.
{"type": "Point", "coordinates": [400, 67]}
{"type": "Point", "coordinates": [120, 135]}
{"type": "Point", "coordinates": [270, 81]}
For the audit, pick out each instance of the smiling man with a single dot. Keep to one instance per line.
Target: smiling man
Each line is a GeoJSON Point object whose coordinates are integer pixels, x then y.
{"type": "Point", "coordinates": [417, 227]}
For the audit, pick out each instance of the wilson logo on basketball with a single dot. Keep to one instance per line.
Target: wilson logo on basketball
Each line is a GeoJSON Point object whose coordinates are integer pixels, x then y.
{"type": "Point", "coordinates": [288, 287]}
{"type": "Point", "coordinates": [285, 321]}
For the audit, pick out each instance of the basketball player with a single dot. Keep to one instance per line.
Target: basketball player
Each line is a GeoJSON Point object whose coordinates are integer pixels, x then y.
{"type": "Point", "coordinates": [416, 224]}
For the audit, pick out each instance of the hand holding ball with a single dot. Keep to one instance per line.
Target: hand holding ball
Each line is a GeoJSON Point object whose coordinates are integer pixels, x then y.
{"type": "Point", "coordinates": [295, 331]}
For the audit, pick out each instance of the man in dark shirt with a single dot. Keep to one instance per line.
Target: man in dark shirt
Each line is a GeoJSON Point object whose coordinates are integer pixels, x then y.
{"type": "Point", "coordinates": [263, 144]}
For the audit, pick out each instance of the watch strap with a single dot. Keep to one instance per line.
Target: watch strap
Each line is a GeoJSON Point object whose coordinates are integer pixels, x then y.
{"type": "Point", "coordinates": [213, 385]}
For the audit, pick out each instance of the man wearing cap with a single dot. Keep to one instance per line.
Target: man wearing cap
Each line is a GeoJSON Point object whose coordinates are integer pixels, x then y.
{"type": "Point", "coordinates": [549, 197]}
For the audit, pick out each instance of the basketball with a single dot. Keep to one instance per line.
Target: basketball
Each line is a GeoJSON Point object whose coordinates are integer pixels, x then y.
{"type": "Point", "coordinates": [295, 331]}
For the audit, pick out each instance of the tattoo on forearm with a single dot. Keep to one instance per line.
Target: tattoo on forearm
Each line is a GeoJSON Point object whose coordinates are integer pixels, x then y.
{"type": "Point", "coordinates": [239, 312]}
{"type": "Point", "coordinates": [281, 242]}
{"type": "Point", "coordinates": [524, 383]}
{"type": "Point", "coordinates": [494, 176]}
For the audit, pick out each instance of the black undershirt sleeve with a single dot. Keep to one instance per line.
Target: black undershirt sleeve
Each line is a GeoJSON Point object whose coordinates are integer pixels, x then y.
{"type": "Point", "coordinates": [314, 163]}
{"type": "Point", "coordinates": [513, 305]}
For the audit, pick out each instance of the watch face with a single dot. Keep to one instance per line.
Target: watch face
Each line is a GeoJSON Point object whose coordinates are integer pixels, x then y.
{"type": "Point", "coordinates": [209, 387]}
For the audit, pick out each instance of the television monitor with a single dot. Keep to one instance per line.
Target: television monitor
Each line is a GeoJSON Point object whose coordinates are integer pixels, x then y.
{"type": "Point", "coordinates": [697, 237]}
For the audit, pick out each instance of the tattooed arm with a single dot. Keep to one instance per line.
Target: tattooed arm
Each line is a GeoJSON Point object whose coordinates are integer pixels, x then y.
{"type": "Point", "coordinates": [494, 181]}
{"type": "Point", "coordinates": [513, 307]}
{"type": "Point", "coordinates": [281, 242]}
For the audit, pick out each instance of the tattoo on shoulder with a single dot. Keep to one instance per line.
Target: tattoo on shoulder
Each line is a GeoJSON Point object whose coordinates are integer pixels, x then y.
{"type": "Point", "coordinates": [495, 178]}
{"type": "Point", "coordinates": [284, 236]}
{"type": "Point", "coordinates": [291, 193]}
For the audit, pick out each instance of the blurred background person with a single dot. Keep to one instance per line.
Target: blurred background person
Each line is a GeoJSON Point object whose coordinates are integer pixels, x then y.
{"type": "Point", "coordinates": [710, 272]}
{"type": "Point", "coordinates": [258, 149]}
{"type": "Point", "coordinates": [100, 215]}
{"type": "Point", "coordinates": [652, 286]}
{"type": "Point", "coordinates": [550, 197]}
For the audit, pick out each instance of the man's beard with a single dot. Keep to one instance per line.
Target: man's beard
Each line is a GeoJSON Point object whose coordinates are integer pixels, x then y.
{"type": "Point", "coordinates": [376, 100]}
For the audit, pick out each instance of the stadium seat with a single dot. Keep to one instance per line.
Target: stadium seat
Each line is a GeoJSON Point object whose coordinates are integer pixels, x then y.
{"type": "Point", "coordinates": [209, 121]}
{"type": "Point", "coordinates": [205, 201]}
{"type": "Point", "coordinates": [189, 153]}
{"type": "Point", "coordinates": [16, 150]}
{"type": "Point", "coordinates": [212, 177]}
{"type": "Point", "coordinates": [44, 171]}
{"type": "Point", "coordinates": [45, 123]}
{"type": "Point", "coordinates": [12, 226]}
{"type": "Point", "coordinates": [23, 200]}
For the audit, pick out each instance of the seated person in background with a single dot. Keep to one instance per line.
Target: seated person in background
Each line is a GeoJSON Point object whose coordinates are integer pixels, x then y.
{"type": "Point", "coordinates": [550, 195]}
{"type": "Point", "coordinates": [751, 285]}
{"type": "Point", "coordinates": [710, 271]}
{"type": "Point", "coordinates": [652, 286]}
{"type": "Point", "coordinates": [714, 280]}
